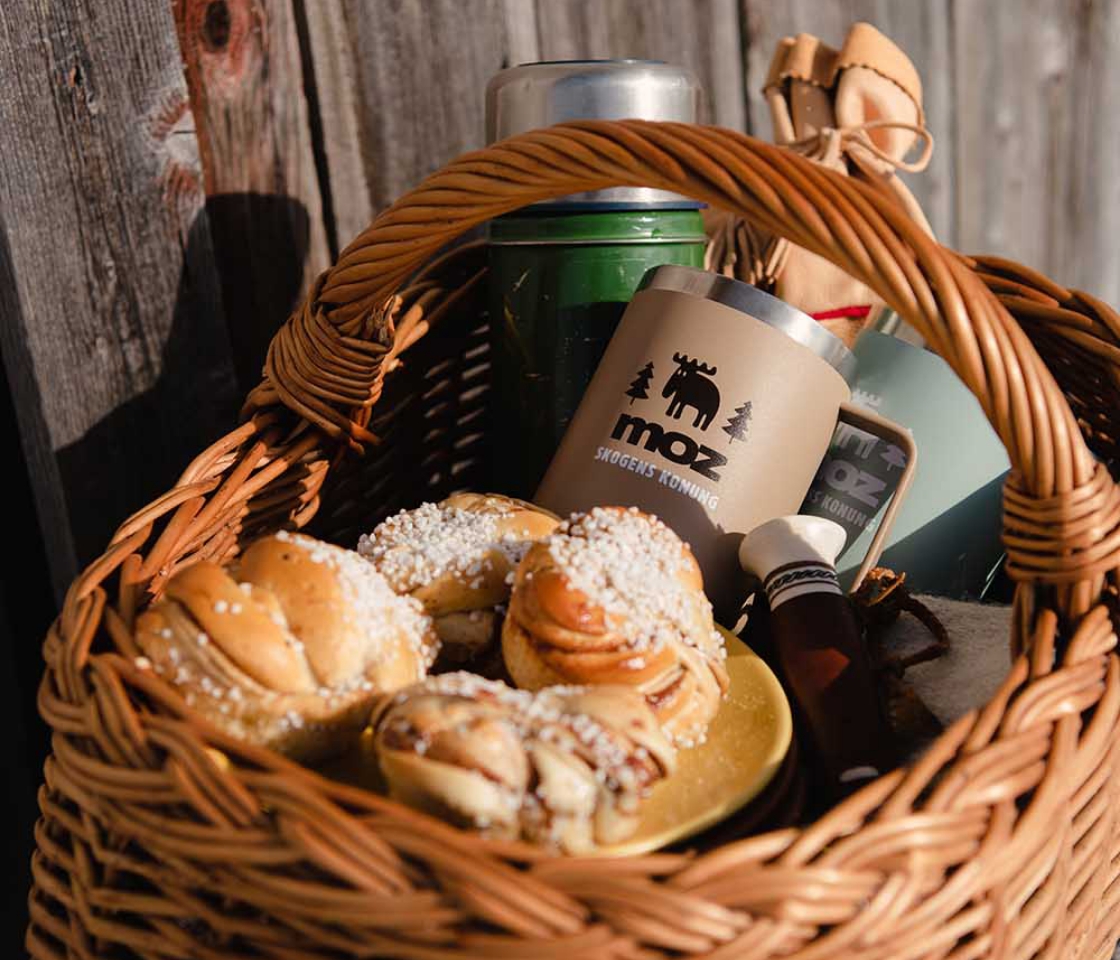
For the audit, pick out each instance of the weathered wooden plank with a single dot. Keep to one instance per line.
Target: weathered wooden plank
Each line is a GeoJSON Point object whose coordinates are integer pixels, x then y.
{"type": "Point", "coordinates": [922, 30]}
{"type": "Point", "coordinates": [27, 607]}
{"type": "Point", "coordinates": [1039, 136]}
{"type": "Point", "coordinates": [703, 35]}
{"type": "Point", "coordinates": [246, 86]}
{"type": "Point", "coordinates": [401, 85]}
{"type": "Point", "coordinates": [523, 42]}
{"type": "Point", "coordinates": [22, 775]}
{"type": "Point", "coordinates": [113, 333]}
{"type": "Point", "coordinates": [1014, 68]}
{"type": "Point", "coordinates": [1084, 243]}
{"type": "Point", "coordinates": [401, 91]}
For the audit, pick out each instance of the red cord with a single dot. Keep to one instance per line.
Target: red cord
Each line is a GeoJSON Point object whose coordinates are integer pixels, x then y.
{"type": "Point", "coordinates": [854, 313]}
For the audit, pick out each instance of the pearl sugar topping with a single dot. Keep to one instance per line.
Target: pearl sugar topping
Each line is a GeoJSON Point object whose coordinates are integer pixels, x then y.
{"type": "Point", "coordinates": [630, 565]}
{"type": "Point", "coordinates": [415, 547]}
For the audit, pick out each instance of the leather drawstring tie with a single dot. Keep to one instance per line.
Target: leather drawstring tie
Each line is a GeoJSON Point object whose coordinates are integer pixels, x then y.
{"type": "Point", "coordinates": [829, 144]}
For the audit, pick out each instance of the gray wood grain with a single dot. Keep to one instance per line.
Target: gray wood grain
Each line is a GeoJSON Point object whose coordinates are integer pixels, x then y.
{"type": "Point", "coordinates": [523, 43]}
{"type": "Point", "coordinates": [246, 88]}
{"type": "Point", "coordinates": [1015, 69]}
{"type": "Point", "coordinates": [401, 91]}
{"type": "Point", "coordinates": [703, 35]}
{"type": "Point", "coordinates": [922, 28]}
{"type": "Point", "coordinates": [1086, 246]}
{"type": "Point", "coordinates": [1039, 136]}
{"type": "Point", "coordinates": [314, 116]}
{"type": "Point", "coordinates": [113, 334]}
{"type": "Point", "coordinates": [401, 84]}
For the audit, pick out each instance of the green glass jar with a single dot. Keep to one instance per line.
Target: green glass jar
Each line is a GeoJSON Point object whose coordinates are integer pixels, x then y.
{"type": "Point", "coordinates": [559, 282]}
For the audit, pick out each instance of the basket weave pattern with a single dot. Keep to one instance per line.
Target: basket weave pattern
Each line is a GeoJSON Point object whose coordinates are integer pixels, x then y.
{"type": "Point", "coordinates": [163, 838]}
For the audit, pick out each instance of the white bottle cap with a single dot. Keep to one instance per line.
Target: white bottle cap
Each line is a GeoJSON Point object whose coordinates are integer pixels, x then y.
{"type": "Point", "coordinates": [793, 556]}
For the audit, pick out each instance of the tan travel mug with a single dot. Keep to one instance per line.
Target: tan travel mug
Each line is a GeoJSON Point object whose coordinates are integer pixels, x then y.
{"type": "Point", "coordinates": [712, 408]}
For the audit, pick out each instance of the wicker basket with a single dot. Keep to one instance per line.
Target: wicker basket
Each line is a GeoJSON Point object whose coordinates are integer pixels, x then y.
{"type": "Point", "coordinates": [1000, 842]}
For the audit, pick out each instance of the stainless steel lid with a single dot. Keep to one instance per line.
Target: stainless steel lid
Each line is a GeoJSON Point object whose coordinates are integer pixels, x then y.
{"type": "Point", "coordinates": [536, 95]}
{"type": "Point", "coordinates": [891, 324]}
{"type": "Point", "coordinates": [755, 303]}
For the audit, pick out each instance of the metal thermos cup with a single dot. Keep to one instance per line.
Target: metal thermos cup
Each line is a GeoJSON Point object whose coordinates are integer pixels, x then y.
{"type": "Point", "coordinates": [712, 408]}
{"type": "Point", "coordinates": [946, 536]}
{"type": "Point", "coordinates": [562, 272]}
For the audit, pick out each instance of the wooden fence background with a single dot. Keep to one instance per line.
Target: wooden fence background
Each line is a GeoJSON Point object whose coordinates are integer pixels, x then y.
{"type": "Point", "coordinates": [174, 172]}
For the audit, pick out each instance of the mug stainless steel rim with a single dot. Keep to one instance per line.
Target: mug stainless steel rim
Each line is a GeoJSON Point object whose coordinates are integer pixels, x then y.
{"type": "Point", "coordinates": [755, 303]}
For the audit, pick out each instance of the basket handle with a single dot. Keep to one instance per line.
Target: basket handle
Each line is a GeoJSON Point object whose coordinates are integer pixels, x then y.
{"type": "Point", "coordinates": [326, 363]}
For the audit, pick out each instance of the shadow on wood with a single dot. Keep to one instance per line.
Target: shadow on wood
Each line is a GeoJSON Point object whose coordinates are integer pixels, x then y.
{"type": "Point", "coordinates": [26, 608]}
{"type": "Point", "coordinates": [126, 459]}
{"type": "Point", "coordinates": [138, 451]}
{"type": "Point", "coordinates": [260, 245]}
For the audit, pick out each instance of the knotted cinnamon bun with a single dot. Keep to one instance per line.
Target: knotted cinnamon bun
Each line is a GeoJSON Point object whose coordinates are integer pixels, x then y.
{"type": "Point", "coordinates": [457, 558]}
{"type": "Point", "coordinates": [290, 646]}
{"type": "Point", "coordinates": [614, 596]}
{"type": "Point", "coordinates": [565, 767]}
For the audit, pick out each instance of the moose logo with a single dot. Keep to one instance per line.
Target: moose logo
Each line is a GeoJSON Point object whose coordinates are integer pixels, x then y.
{"type": "Point", "coordinates": [689, 386]}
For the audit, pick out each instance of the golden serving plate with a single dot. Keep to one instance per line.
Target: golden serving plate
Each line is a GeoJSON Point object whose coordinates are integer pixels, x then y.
{"type": "Point", "coordinates": [747, 741]}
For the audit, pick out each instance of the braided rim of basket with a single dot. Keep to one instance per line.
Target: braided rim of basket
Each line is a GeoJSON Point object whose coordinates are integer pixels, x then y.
{"type": "Point", "coordinates": [1010, 814]}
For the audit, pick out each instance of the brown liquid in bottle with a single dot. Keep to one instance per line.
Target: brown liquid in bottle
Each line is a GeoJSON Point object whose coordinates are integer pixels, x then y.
{"type": "Point", "coordinates": [818, 647]}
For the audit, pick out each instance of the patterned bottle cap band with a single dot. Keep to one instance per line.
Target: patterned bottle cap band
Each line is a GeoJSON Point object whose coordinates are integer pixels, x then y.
{"type": "Point", "coordinates": [797, 579]}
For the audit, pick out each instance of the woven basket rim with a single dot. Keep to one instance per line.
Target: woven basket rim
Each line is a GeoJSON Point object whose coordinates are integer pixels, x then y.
{"type": "Point", "coordinates": [122, 733]}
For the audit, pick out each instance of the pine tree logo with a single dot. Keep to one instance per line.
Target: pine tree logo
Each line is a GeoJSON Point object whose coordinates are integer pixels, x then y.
{"type": "Point", "coordinates": [639, 389]}
{"type": "Point", "coordinates": [736, 427]}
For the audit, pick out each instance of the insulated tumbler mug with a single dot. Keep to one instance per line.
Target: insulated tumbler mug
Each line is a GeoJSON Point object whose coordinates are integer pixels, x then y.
{"type": "Point", "coordinates": [712, 408]}
{"type": "Point", "coordinates": [948, 534]}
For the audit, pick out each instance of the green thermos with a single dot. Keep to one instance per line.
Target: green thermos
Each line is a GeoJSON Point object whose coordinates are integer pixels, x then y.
{"type": "Point", "coordinates": [562, 272]}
